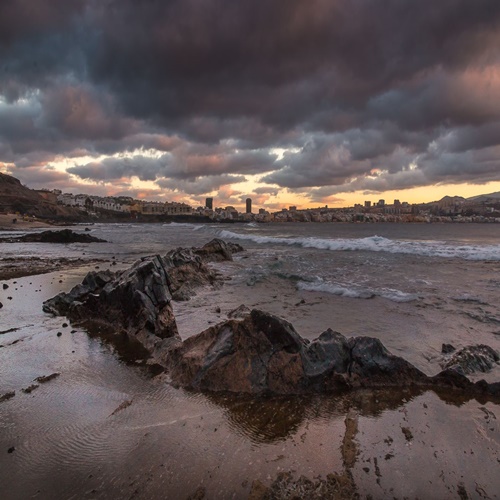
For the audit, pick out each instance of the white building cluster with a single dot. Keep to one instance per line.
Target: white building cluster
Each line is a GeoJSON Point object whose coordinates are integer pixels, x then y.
{"type": "Point", "coordinates": [123, 204]}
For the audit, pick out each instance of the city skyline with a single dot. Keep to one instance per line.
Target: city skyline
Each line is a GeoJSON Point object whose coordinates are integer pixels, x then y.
{"type": "Point", "coordinates": [287, 102]}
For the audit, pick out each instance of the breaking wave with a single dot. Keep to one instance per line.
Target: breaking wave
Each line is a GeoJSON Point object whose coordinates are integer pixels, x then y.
{"type": "Point", "coordinates": [429, 248]}
{"type": "Point", "coordinates": [357, 293]}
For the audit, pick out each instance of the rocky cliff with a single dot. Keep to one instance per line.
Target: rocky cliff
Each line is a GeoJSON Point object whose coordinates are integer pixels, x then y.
{"type": "Point", "coordinates": [14, 197]}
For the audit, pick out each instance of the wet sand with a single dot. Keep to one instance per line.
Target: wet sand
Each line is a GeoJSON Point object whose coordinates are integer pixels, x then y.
{"type": "Point", "coordinates": [106, 429]}
{"type": "Point", "coordinates": [17, 267]}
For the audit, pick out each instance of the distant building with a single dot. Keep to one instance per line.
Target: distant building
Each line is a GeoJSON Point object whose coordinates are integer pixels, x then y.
{"type": "Point", "coordinates": [368, 204]}
{"type": "Point", "coordinates": [293, 208]}
{"type": "Point", "coordinates": [381, 203]}
{"type": "Point", "coordinates": [209, 203]}
{"type": "Point", "coordinates": [249, 205]}
{"type": "Point", "coordinates": [173, 208]}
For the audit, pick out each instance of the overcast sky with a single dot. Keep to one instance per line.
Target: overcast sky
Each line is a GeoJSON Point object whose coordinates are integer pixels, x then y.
{"type": "Point", "coordinates": [319, 101]}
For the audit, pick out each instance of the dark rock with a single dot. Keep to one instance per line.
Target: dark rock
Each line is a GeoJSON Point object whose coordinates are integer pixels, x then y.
{"type": "Point", "coordinates": [240, 356]}
{"type": "Point", "coordinates": [135, 303]}
{"type": "Point", "coordinates": [92, 283]}
{"type": "Point", "coordinates": [65, 325]}
{"type": "Point", "coordinates": [12, 449]}
{"type": "Point", "coordinates": [186, 272]}
{"type": "Point", "coordinates": [59, 334]}
{"type": "Point", "coordinates": [7, 395]}
{"type": "Point", "coordinates": [372, 364]}
{"type": "Point", "coordinates": [263, 353]}
{"type": "Point", "coordinates": [447, 349]}
{"type": "Point", "coordinates": [31, 388]}
{"type": "Point", "coordinates": [63, 236]}
{"type": "Point", "coordinates": [239, 312]}
{"type": "Point", "coordinates": [473, 359]}
{"type": "Point", "coordinates": [326, 361]}
{"type": "Point", "coordinates": [46, 378]}
{"type": "Point", "coordinates": [187, 269]}
{"type": "Point", "coordinates": [5, 286]}
{"type": "Point", "coordinates": [407, 432]}
{"type": "Point", "coordinates": [1, 305]}
{"type": "Point", "coordinates": [218, 250]}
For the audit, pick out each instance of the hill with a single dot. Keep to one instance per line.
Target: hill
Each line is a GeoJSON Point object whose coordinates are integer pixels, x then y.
{"type": "Point", "coordinates": [486, 197]}
{"type": "Point", "coordinates": [16, 198]}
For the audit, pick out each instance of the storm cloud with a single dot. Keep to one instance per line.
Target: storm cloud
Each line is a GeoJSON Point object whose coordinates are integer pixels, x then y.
{"type": "Point", "coordinates": [319, 97]}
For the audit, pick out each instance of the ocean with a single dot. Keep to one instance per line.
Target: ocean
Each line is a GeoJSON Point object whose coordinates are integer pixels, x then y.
{"type": "Point", "coordinates": [104, 428]}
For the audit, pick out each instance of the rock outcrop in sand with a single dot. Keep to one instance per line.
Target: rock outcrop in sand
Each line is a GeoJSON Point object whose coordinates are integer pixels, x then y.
{"type": "Point", "coordinates": [262, 353]}
{"type": "Point", "coordinates": [136, 302]}
{"type": "Point", "coordinates": [62, 236]}
{"type": "Point", "coordinates": [253, 352]}
{"type": "Point", "coordinates": [473, 359]}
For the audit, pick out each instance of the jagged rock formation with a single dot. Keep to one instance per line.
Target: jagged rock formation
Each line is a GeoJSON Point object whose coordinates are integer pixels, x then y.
{"type": "Point", "coordinates": [262, 353]}
{"type": "Point", "coordinates": [62, 236]}
{"type": "Point", "coordinates": [473, 359]}
{"type": "Point", "coordinates": [218, 250]}
{"type": "Point", "coordinates": [137, 302]}
{"type": "Point", "coordinates": [134, 303]}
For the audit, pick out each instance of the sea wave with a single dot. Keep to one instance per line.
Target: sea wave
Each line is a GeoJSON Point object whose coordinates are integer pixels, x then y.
{"type": "Point", "coordinates": [356, 292]}
{"type": "Point", "coordinates": [428, 248]}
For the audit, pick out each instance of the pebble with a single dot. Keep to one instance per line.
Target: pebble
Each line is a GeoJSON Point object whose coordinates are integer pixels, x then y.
{"type": "Point", "coordinates": [59, 334]}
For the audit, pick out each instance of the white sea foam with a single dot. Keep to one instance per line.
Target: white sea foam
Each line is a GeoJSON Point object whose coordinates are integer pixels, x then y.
{"type": "Point", "coordinates": [180, 224]}
{"type": "Point", "coordinates": [428, 248]}
{"type": "Point", "coordinates": [356, 292]}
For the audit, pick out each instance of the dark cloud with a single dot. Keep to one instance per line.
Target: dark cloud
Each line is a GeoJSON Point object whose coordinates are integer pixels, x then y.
{"type": "Point", "coordinates": [361, 94]}
{"type": "Point", "coordinates": [41, 177]}
{"type": "Point", "coordinates": [200, 185]}
{"type": "Point", "coordinates": [266, 190]}
{"type": "Point", "coordinates": [109, 169]}
{"type": "Point", "coordinates": [193, 161]}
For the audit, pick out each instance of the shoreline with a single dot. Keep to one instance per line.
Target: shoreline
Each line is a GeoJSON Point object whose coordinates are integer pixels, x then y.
{"type": "Point", "coordinates": [19, 267]}
{"type": "Point", "coordinates": [7, 223]}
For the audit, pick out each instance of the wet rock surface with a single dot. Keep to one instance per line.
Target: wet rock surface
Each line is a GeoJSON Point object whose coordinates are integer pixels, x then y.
{"type": "Point", "coordinates": [264, 354]}
{"type": "Point", "coordinates": [473, 359]}
{"type": "Point", "coordinates": [261, 353]}
{"type": "Point", "coordinates": [136, 303]}
{"type": "Point", "coordinates": [188, 268]}
{"type": "Point", "coordinates": [63, 236]}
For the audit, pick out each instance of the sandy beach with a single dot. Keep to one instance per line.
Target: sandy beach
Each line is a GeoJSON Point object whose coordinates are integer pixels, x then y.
{"type": "Point", "coordinates": [107, 427]}
{"type": "Point", "coordinates": [119, 432]}
{"type": "Point", "coordinates": [22, 223]}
